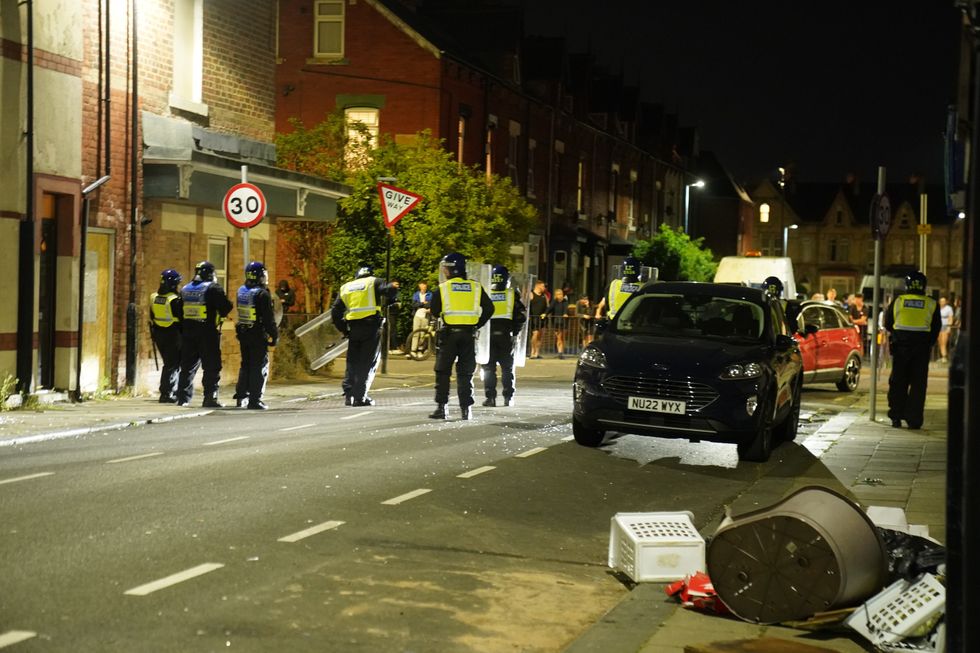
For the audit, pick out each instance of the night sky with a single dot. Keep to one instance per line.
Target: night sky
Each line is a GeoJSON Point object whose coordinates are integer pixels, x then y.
{"type": "Point", "coordinates": [829, 86]}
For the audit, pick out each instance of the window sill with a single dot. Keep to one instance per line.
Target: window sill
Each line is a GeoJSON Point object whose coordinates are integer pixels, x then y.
{"type": "Point", "coordinates": [328, 61]}
{"type": "Point", "coordinates": [188, 106]}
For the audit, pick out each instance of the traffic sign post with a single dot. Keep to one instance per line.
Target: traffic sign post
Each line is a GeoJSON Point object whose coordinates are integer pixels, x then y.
{"type": "Point", "coordinates": [244, 207]}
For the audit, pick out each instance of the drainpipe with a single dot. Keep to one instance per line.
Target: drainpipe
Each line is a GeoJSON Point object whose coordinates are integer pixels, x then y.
{"type": "Point", "coordinates": [133, 210]}
{"type": "Point", "coordinates": [25, 267]}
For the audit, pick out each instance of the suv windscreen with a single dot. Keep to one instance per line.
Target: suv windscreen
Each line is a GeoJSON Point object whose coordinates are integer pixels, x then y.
{"type": "Point", "coordinates": [691, 316]}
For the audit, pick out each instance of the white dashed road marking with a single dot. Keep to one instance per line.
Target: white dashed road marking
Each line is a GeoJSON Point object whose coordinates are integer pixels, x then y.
{"type": "Point", "coordinates": [225, 441]}
{"type": "Point", "coordinates": [531, 452]}
{"type": "Point", "coordinates": [568, 438]}
{"type": "Point", "coordinates": [475, 472]}
{"type": "Point", "coordinates": [12, 637]}
{"type": "Point", "coordinates": [405, 497]}
{"type": "Point", "coordinates": [296, 428]}
{"type": "Point", "coordinates": [139, 457]}
{"type": "Point", "coordinates": [367, 412]}
{"type": "Point", "coordinates": [173, 579]}
{"type": "Point", "coordinates": [313, 530]}
{"type": "Point", "coordinates": [25, 478]}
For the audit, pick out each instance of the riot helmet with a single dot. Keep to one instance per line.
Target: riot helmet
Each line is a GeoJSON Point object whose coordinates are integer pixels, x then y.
{"type": "Point", "coordinates": [453, 265]}
{"type": "Point", "coordinates": [205, 271]}
{"type": "Point", "coordinates": [170, 279]}
{"type": "Point", "coordinates": [630, 270]}
{"type": "Point", "coordinates": [499, 277]}
{"type": "Point", "coordinates": [773, 287]}
{"type": "Point", "coordinates": [915, 283]}
{"type": "Point", "coordinates": [256, 274]}
{"type": "Point", "coordinates": [364, 270]}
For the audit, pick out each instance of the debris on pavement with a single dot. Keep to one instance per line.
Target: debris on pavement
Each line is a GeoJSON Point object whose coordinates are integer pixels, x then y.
{"type": "Point", "coordinates": [696, 591]}
{"type": "Point", "coordinates": [655, 546]}
{"type": "Point", "coordinates": [906, 616]}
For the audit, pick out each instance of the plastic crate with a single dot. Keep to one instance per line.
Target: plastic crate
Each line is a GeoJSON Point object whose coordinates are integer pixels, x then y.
{"type": "Point", "coordinates": [655, 546]}
{"type": "Point", "coordinates": [897, 611]}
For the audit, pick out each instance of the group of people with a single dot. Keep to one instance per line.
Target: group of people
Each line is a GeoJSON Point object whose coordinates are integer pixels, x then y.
{"type": "Point", "coordinates": [185, 326]}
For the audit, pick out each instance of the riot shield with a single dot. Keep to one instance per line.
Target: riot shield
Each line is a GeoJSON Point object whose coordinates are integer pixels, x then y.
{"type": "Point", "coordinates": [321, 340]}
{"type": "Point", "coordinates": [481, 272]}
{"type": "Point", "coordinates": [277, 311]}
{"type": "Point", "coordinates": [523, 284]}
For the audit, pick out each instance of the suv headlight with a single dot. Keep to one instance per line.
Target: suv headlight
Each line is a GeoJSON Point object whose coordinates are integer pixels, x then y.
{"type": "Point", "coordinates": [593, 358]}
{"type": "Point", "coordinates": [742, 371]}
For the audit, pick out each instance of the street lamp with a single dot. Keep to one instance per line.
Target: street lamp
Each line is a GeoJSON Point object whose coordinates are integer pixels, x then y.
{"type": "Point", "coordinates": [786, 237]}
{"type": "Point", "coordinates": [687, 202]}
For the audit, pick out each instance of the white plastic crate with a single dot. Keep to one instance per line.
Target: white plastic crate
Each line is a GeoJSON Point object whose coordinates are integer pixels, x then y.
{"type": "Point", "coordinates": [897, 611]}
{"type": "Point", "coordinates": [655, 546]}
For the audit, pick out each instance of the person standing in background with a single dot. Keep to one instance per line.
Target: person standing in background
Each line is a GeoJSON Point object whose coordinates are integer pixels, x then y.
{"type": "Point", "coordinates": [946, 326]}
{"type": "Point", "coordinates": [557, 312]}
{"type": "Point", "coordinates": [537, 310]}
{"type": "Point", "coordinates": [421, 301]}
{"type": "Point", "coordinates": [912, 319]}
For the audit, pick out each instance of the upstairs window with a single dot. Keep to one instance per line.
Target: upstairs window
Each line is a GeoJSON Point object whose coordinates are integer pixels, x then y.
{"type": "Point", "coordinates": [362, 133]}
{"type": "Point", "coordinates": [328, 35]}
{"type": "Point", "coordinates": [188, 61]}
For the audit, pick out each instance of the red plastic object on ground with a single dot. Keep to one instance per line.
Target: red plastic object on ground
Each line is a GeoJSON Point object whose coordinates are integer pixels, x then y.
{"type": "Point", "coordinates": [696, 591]}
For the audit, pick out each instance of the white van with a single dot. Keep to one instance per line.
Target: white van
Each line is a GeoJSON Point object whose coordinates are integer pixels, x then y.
{"type": "Point", "coordinates": [753, 270]}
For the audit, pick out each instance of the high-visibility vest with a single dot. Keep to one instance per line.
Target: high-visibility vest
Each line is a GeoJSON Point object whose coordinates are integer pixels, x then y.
{"type": "Point", "coordinates": [246, 305]}
{"type": "Point", "coordinates": [161, 311]}
{"type": "Point", "coordinates": [460, 301]}
{"type": "Point", "coordinates": [619, 292]}
{"type": "Point", "coordinates": [195, 308]}
{"type": "Point", "coordinates": [913, 312]}
{"type": "Point", "coordinates": [503, 304]}
{"type": "Point", "coordinates": [358, 297]}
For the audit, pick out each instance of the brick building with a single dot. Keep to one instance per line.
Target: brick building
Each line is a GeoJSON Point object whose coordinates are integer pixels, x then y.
{"type": "Point", "coordinates": [155, 106]}
{"type": "Point", "coordinates": [602, 168]}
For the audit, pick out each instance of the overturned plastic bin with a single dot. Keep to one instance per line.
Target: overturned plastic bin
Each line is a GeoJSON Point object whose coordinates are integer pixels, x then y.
{"type": "Point", "coordinates": [812, 552]}
{"type": "Point", "coordinates": [321, 340]}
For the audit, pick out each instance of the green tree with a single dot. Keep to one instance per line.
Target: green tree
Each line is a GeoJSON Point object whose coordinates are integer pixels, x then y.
{"type": "Point", "coordinates": [677, 257]}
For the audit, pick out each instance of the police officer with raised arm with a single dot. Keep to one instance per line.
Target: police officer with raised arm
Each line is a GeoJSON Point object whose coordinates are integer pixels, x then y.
{"type": "Point", "coordinates": [166, 313]}
{"type": "Point", "coordinates": [506, 322]}
{"type": "Point", "coordinates": [257, 331]}
{"type": "Point", "coordinates": [620, 289]}
{"type": "Point", "coordinates": [464, 307]}
{"type": "Point", "coordinates": [357, 314]}
{"type": "Point", "coordinates": [205, 307]}
{"type": "Point", "coordinates": [913, 321]}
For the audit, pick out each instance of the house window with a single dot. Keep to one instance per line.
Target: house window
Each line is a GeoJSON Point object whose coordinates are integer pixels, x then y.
{"type": "Point", "coordinates": [806, 250]}
{"type": "Point", "coordinates": [532, 145]}
{"type": "Point", "coordinates": [218, 255]}
{"type": "Point", "coordinates": [556, 205]}
{"type": "Point", "coordinates": [362, 133]}
{"type": "Point", "coordinates": [579, 187]}
{"type": "Point", "coordinates": [840, 250]}
{"type": "Point", "coordinates": [488, 149]}
{"type": "Point", "coordinates": [613, 189]}
{"type": "Point", "coordinates": [908, 251]}
{"type": "Point", "coordinates": [188, 60]}
{"type": "Point", "coordinates": [460, 138]}
{"type": "Point", "coordinates": [328, 33]}
{"type": "Point", "coordinates": [512, 145]}
{"type": "Point", "coordinates": [631, 202]}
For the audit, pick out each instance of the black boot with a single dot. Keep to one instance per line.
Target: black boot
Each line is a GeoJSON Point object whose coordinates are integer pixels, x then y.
{"type": "Point", "coordinates": [466, 412]}
{"type": "Point", "coordinates": [348, 400]}
{"type": "Point", "coordinates": [490, 402]}
{"type": "Point", "coordinates": [508, 401]}
{"type": "Point", "coordinates": [440, 412]}
{"type": "Point", "coordinates": [212, 402]}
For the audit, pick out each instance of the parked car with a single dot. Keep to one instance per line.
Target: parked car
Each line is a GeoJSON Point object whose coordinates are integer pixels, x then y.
{"type": "Point", "coordinates": [829, 343]}
{"type": "Point", "coordinates": [701, 361]}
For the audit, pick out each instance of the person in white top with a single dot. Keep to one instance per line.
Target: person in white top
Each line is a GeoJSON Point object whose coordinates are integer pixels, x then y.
{"type": "Point", "coordinates": [946, 321]}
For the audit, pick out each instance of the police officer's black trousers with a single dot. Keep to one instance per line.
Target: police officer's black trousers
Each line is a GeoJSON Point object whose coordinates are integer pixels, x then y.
{"type": "Point", "coordinates": [254, 371]}
{"type": "Point", "coordinates": [168, 344]}
{"type": "Point", "coordinates": [907, 382]}
{"type": "Point", "coordinates": [455, 345]}
{"type": "Point", "coordinates": [501, 351]}
{"type": "Point", "coordinates": [363, 354]}
{"type": "Point", "coordinates": [200, 347]}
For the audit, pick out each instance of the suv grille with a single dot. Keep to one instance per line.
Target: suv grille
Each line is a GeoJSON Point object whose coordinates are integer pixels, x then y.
{"type": "Point", "coordinates": [695, 395]}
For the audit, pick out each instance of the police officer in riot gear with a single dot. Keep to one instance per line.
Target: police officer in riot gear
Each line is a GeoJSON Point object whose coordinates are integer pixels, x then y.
{"type": "Point", "coordinates": [256, 331]}
{"type": "Point", "coordinates": [913, 321]}
{"type": "Point", "coordinates": [791, 308]}
{"type": "Point", "coordinates": [357, 314]}
{"type": "Point", "coordinates": [166, 313]}
{"type": "Point", "coordinates": [205, 307]}
{"type": "Point", "coordinates": [464, 307]}
{"type": "Point", "coordinates": [620, 289]}
{"type": "Point", "coordinates": [773, 287]}
{"type": "Point", "coordinates": [506, 322]}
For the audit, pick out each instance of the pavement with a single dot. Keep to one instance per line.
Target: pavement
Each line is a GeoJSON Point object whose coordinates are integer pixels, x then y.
{"type": "Point", "coordinates": [867, 460]}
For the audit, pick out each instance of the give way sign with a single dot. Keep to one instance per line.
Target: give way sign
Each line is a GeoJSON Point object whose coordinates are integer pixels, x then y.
{"type": "Point", "coordinates": [396, 202]}
{"type": "Point", "coordinates": [244, 205]}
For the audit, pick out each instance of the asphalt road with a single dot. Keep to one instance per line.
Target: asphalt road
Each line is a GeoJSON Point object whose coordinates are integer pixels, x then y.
{"type": "Point", "coordinates": [328, 528]}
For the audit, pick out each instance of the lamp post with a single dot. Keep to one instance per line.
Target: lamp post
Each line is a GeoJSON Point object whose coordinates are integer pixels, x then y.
{"type": "Point", "coordinates": [687, 202]}
{"type": "Point", "coordinates": [786, 237]}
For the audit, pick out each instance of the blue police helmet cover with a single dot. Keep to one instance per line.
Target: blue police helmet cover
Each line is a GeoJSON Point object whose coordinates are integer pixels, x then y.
{"type": "Point", "coordinates": [916, 282]}
{"type": "Point", "coordinates": [773, 286]}
{"type": "Point", "coordinates": [254, 272]}
{"type": "Point", "coordinates": [170, 277]}
{"type": "Point", "coordinates": [455, 264]}
{"type": "Point", "coordinates": [205, 270]}
{"type": "Point", "coordinates": [363, 270]}
{"type": "Point", "coordinates": [631, 267]}
{"type": "Point", "coordinates": [499, 276]}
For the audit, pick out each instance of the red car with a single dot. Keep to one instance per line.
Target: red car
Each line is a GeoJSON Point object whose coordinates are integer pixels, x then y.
{"type": "Point", "coordinates": [830, 345]}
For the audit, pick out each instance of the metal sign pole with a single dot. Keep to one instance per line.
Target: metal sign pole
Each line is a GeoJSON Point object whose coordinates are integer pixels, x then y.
{"type": "Point", "coordinates": [245, 231]}
{"type": "Point", "coordinates": [386, 326]}
{"type": "Point", "coordinates": [874, 307]}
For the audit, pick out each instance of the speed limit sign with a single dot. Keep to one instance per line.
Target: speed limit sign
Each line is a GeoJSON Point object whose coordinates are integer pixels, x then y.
{"type": "Point", "coordinates": [244, 205]}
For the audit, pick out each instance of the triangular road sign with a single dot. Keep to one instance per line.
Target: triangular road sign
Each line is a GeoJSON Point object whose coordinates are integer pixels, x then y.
{"type": "Point", "coordinates": [396, 202]}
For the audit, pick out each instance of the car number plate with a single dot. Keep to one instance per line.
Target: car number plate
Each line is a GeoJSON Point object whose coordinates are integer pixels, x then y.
{"type": "Point", "coordinates": [653, 405]}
